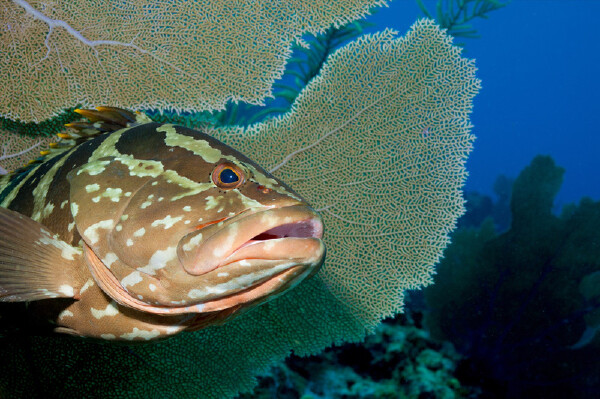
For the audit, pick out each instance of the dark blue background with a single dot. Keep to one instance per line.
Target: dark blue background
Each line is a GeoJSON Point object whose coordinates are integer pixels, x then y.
{"type": "Point", "coordinates": [539, 62]}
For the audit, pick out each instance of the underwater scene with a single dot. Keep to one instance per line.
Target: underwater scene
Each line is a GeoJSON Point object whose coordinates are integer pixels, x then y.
{"type": "Point", "coordinates": [299, 200]}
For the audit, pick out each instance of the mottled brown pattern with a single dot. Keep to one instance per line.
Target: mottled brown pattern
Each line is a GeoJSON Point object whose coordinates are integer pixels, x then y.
{"type": "Point", "coordinates": [158, 230]}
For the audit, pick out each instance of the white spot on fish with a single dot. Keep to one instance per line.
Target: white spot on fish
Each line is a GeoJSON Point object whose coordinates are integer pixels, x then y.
{"type": "Point", "coordinates": [93, 168]}
{"type": "Point", "coordinates": [65, 313]}
{"type": "Point", "coordinates": [159, 260]}
{"type": "Point", "coordinates": [187, 208]}
{"type": "Point", "coordinates": [239, 283]}
{"type": "Point", "coordinates": [96, 199]}
{"type": "Point", "coordinates": [192, 243]}
{"type": "Point", "coordinates": [119, 227]}
{"type": "Point", "coordinates": [107, 336]}
{"type": "Point", "coordinates": [62, 204]}
{"type": "Point", "coordinates": [152, 287]}
{"type": "Point", "coordinates": [71, 225]}
{"type": "Point", "coordinates": [91, 233]}
{"type": "Point", "coordinates": [124, 217]}
{"type": "Point", "coordinates": [145, 204]}
{"type": "Point", "coordinates": [168, 222]}
{"type": "Point", "coordinates": [109, 259]}
{"type": "Point", "coordinates": [110, 310]}
{"type": "Point", "coordinates": [113, 193]}
{"type": "Point", "coordinates": [128, 194]}
{"type": "Point", "coordinates": [137, 333]}
{"type": "Point", "coordinates": [90, 188]}
{"type": "Point", "coordinates": [139, 232]}
{"type": "Point", "coordinates": [222, 274]}
{"type": "Point", "coordinates": [131, 279]}
{"type": "Point", "coordinates": [66, 290]}
{"type": "Point", "coordinates": [66, 251]}
{"type": "Point", "coordinates": [87, 285]}
{"type": "Point", "coordinates": [174, 329]}
{"type": "Point", "coordinates": [187, 222]}
{"type": "Point", "coordinates": [212, 202]}
{"type": "Point", "coordinates": [197, 146]}
{"type": "Point", "coordinates": [142, 168]}
{"type": "Point", "coordinates": [74, 209]}
{"type": "Point", "coordinates": [47, 209]}
{"type": "Point", "coordinates": [244, 262]}
{"type": "Point", "coordinates": [129, 242]}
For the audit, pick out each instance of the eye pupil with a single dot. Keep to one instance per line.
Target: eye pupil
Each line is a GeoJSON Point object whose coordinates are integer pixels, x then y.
{"type": "Point", "coordinates": [228, 176]}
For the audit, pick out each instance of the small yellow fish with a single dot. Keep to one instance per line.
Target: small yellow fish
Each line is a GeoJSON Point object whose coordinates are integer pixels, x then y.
{"type": "Point", "coordinates": [144, 230]}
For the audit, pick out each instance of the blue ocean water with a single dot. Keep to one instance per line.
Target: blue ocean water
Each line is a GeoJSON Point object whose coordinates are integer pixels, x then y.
{"type": "Point", "coordinates": [538, 62]}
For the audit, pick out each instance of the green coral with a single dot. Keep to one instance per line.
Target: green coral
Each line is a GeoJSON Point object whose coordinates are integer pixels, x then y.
{"type": "Point", "coordinates": [456, 15]}
{"type": "Point", "coordinates": [523, 306]}
{"type": "Point", "coordinates": [399, 360]}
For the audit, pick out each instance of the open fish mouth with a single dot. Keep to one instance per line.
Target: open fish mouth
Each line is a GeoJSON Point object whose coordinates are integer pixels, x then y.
{"type": "Point", "coordinates": [254, 255]}
{"type": "Point", "coordinates": [291, 233]}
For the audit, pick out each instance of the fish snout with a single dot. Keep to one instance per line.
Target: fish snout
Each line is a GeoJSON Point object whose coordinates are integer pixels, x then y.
{"type": "Point", "coordinates": [289, 235]}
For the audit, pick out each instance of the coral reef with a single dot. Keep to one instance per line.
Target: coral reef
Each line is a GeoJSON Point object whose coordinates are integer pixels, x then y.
{"type": "Point", "coordinates": [523, 306]}
{"type": "Point", "coordinates": [399, 360]}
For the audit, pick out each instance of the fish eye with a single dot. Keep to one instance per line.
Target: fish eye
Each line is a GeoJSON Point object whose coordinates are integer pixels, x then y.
{"type": "Point", "coordinates": [228, 176]}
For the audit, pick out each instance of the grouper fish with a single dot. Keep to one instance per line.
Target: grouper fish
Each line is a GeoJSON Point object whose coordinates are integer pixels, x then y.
{"type": "Point", "coordinates": [139, 230]}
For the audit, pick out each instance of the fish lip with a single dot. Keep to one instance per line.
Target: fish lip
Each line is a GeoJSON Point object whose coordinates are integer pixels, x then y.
{"type": "Point", "coordinates": [274, 286]}
{"type": "Point", "coordinates": [299, 221]}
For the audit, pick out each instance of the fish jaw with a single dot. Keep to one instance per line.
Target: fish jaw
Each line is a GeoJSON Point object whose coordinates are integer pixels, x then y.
{"type": "Point", "coordinates": [207, 249]}
{"type": "Point", "coordinates": [253, 253]}
{"type": "Point", "coordinates": [254, 256]}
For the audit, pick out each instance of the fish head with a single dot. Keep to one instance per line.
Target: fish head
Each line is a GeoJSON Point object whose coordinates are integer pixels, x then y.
{"type": "Point", "coordinates": [196, 228]}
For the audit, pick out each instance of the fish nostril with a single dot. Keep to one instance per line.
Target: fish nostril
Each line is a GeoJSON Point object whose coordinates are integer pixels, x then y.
{"type": "Point", "coordinates": [263, 189]}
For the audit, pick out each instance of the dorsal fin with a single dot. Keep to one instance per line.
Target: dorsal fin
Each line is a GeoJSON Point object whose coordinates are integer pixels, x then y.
{"type": "Point", "coordinates": [98, 121]}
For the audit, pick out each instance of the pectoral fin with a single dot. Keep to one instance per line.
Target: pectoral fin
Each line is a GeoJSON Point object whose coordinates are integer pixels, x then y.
{"type": "Point", "coordinates": [34, 264]}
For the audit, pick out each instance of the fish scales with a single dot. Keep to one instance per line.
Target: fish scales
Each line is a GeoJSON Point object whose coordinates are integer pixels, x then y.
{"type": "Point", "coordinates": [145, 231]}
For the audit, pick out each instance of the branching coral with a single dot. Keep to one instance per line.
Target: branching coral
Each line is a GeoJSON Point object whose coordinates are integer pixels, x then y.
{"type": "Point", "coordinates": [182, 55]}
{"type": "Point", "coordinates": [523, 306]}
